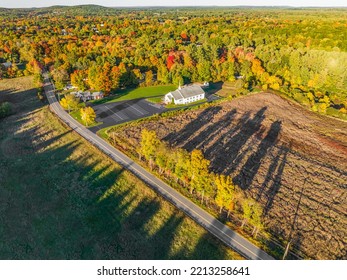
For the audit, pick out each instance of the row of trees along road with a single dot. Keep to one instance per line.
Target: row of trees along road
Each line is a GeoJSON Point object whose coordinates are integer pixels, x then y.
{"type": "Point", "coordinates": [191, 170]}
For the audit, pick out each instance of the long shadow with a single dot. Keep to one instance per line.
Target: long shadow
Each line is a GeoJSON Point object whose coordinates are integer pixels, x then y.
{"type": "Point", "coordinates": [202, 252]}
{"type": "Point", "coordinates": [180, 137]}
{"type": "Point", "coordinates": [210, 132]}
{"type": "Point", "coordinates": [165, 236]}
{"type": "Point", "coordinates": [59, 202]}
{"type": "Point", "coordinates": [252, 165]}
{"type": "Point", "coordinates": [22, 101]}
{"type": "Point", "coordinates": [215, 87]}
{"type": "Point", "coordinates": [233, 141]}
{"type": "Point", "coordinates": [276, 181]}
{"type": "Point", "coordinates": [271, 170]}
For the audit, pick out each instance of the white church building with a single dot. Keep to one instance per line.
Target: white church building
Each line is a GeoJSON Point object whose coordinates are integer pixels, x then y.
{"type": "Point", "coordinates": [185, 95]}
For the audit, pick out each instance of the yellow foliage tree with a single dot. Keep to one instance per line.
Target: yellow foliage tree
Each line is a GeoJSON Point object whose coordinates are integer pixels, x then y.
{"type": "Point", "coordinates": [69, 102]}
{"type": "Point", "coordinates": [225, 192]}
{"type": "Point", "coordinates": [88, 115]}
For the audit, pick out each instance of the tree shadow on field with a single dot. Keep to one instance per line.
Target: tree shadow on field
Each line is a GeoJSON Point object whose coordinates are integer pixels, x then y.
{"type": "Point", "coordinates": [22, 101]}
{"type": "Point", "coordinates": [60, 201]}
{"type": "Point", "coordinates": [181, 137]}
{"type": "Point", "coordinates": [250, 168]}
{"type": "Point", "coordinates": [210, 132]}
{"type": "Point", "coordinates": [233, 141]}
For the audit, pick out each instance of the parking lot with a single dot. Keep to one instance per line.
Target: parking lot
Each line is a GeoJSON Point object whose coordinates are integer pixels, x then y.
{"type": "Point", "coordinates": [115, 113]}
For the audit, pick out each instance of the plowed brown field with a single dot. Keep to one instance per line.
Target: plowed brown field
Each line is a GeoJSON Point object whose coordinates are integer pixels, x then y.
{"type": "Point", "coordinates": [292, 160]}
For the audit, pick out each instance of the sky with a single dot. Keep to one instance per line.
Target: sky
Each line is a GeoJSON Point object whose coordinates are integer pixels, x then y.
{"type": "Point", "coordinates": [135, 3]}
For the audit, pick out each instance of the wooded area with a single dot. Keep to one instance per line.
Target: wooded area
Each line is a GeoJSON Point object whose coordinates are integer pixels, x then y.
{"type": "Point", "coordinates": [300, 52]}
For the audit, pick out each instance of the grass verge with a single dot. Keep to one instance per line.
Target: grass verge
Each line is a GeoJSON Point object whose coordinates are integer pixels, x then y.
{"type": "Point", "coordinates": [77, 116]}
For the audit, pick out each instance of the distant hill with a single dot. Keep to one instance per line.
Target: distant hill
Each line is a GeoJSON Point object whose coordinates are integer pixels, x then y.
{"type": "Point", "coordinates": [80, 9]}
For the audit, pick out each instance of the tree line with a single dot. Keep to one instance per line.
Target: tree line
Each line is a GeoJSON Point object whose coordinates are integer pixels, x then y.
{"type": "Point", "coordinates": [191, 170]}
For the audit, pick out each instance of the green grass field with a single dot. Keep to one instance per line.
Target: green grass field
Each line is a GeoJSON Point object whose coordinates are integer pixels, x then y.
{"type": "Point", "coordinates": [137, 93]}
{"type": "Point", "coordinates": [60, 198]}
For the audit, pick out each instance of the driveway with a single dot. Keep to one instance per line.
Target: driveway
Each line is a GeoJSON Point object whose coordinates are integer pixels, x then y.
{"type": "Point", "coordinates": [119, 112]}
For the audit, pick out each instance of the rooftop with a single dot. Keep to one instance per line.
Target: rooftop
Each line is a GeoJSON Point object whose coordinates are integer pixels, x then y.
{"type": "Point", "coordinates": [187, 92]}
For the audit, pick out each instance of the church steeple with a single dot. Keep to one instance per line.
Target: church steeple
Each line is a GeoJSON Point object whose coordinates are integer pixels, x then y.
{"type": "Point", "coordinates": [179, 85]}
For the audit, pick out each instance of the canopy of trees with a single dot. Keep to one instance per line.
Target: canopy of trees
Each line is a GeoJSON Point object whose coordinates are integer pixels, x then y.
{"type": "Point", "coordinates": [301, 52]}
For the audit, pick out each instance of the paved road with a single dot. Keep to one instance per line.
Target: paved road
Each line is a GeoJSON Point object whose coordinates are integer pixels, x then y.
{"type": "Point", "coordinates": [211, 224]}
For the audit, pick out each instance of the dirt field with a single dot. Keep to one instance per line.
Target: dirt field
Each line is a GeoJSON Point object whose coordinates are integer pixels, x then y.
{"type": "Point", "coordinates": [292, 160]}
{"type": "Point", "coordinates": [60, 198]}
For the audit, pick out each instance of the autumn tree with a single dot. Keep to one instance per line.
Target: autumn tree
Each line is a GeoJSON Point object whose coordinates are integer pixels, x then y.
{"type": "Point", "coordinates": [69, 102]}
{"type": "Point", "coordinates": [197, 170]}
{"type": "Point", "coordinates": [106, 78]}
{"type": "Point", "coordinates": [224, 192]}
{"type": "Point", "coordinates": [149, 78]}
{"type": "Point", "coordinates": [161, 157]}
{"type": "Point", "coordinates": [88, 115]}
{"type": "Point", "coordinates": [149, 145]}
{"type": "Point", "coordinates": [59, 76]}
{"type": "Point", "coordinates": [182, 160]}
{"type": "Point", "coordinates": [252, 212]}
{"type": "Point", "coordinates": [78, 79]}
{"type": "Point", "coordinates": [38, 80]}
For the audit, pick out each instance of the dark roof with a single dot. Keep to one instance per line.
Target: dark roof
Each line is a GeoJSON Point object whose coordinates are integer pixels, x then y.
{"type": "Point", "coordinates": [188, 91]}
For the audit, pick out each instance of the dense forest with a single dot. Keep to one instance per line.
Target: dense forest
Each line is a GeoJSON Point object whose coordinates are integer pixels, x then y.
{"type": "Point", "coordinates": [299, 52]}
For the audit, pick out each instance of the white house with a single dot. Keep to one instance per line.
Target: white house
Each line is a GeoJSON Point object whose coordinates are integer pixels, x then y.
{"type": "Point", "coordinates": [185, 95]}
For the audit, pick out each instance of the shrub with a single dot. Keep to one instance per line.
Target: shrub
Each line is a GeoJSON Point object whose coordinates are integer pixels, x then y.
{"type": "Point", "coordinates": [5, 109]}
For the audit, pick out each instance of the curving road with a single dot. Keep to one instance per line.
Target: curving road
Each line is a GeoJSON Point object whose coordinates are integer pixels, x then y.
{"type": "Point", "coordinates": [210, 223]}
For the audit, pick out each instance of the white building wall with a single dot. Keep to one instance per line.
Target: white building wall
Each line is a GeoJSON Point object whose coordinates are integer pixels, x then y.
{"type": "Point", "coordinates": [168, 98]}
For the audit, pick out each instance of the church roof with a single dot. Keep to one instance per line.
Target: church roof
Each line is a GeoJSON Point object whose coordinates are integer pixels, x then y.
{"type": "Point", "coordinates": [186, 92]}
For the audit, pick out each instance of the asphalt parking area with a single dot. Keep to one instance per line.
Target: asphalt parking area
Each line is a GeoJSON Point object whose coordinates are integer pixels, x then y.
{"type": "Point", "coordinates": [119, 112]}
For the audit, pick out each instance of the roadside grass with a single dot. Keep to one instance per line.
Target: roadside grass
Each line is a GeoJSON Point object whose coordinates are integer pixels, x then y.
{"type": "Point", "coordinates": [77, 116]}
{"type": "Point", "coordinates": [137, 93]}
{"type": "Point", "coordinates": [61, 198]}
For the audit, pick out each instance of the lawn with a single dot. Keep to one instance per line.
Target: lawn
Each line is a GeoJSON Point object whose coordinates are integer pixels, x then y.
{"type": "Point", "coordinates": [77, 116]}
{"type": "Point", "coordinates": [157, 99]}
{"type": "Point", "coordinates": [137, 93]}
{"type": "Point", "coordinates": [61, 198]}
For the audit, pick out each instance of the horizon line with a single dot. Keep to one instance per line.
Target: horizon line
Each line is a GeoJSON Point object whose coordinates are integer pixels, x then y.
{"type": "Point", "coordinates": [180, 6]}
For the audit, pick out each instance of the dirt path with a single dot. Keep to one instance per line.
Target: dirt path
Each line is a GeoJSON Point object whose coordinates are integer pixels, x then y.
{"type": "Point", "coordinates": [290, 159]}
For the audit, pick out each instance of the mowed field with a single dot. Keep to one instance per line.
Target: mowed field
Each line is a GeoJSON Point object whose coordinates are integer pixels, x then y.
{"type": "Point", "coordinates": [60, 198]}
{"type": "Point", "coordinates": [291, 160]}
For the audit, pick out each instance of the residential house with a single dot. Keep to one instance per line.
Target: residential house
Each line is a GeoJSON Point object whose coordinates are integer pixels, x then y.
{"type": "Point", "coordinates": [86, 95]}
